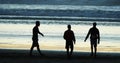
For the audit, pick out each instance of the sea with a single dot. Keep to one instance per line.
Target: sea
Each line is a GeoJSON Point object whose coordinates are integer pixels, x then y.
{"type": "Point", "coordinates": [18, 20]}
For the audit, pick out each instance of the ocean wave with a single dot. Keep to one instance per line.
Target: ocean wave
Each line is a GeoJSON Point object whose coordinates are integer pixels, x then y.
{"type": "Point", "coordinates": [58, 20]}
{"type": "Point", "coordinates": [63, 2]}
{"type": "Point", "coordinates": [59, 7]}
{"type": "Point", "coordinates": [65, 18]}
{"type": "Point", "coordinates": [57, 12]}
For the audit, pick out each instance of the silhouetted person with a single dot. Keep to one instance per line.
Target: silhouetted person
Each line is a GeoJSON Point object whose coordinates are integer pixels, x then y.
{"type": "Point", "coordinates": [35, 38]}
{"type": "Point", "coordinates": [94, 38]}
{"type": "Point", "coordinates": [70, 39]}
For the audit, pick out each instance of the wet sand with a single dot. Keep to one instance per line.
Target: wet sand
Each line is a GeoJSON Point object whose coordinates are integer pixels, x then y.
{"type": "Point", "coordinates": [60, 48]}
{"type": "Point", "coordinates": [13, 53]}
{"type": "Point", "coordinates": [52, 56]}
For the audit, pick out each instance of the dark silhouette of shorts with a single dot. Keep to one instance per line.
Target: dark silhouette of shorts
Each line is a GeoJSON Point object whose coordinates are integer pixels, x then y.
{"type": "Point", "coordinates": [93, 42]}
{"type": "Point", "coordinates": [69, 44]}
{"type": "Point", "coordinates": [35, 42]}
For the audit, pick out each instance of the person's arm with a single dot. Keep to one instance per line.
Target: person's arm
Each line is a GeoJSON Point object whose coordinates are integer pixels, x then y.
{"type": "Point", "coordinates": [64, 36]}
{"type": "Point", "coordinates": [40, 33]}
{"type": "Point", "coordinates": [98, 37]}
{"type": "Point", "coordinates": [74, 38]}
{"type": "Point", "coordinates": [87, 36]}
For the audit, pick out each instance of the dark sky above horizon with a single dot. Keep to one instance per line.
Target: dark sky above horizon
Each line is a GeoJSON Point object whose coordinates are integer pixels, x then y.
{"type": "Point", "coordinates": [64, 2]}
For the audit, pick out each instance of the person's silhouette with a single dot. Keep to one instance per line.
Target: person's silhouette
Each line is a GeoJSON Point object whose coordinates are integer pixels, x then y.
{"type": "Point", "coordinates": [35, 38]}
{"type": "Point", "coordinates": [70, 38]}
{"type": "Point", "coordinates": [94, 38]}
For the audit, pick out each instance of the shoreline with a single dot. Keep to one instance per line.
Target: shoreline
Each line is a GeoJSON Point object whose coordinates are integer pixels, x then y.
{"type": "Point", "coordinates": [58, 48]}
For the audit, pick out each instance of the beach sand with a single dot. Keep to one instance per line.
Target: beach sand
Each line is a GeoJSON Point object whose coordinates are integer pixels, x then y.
{"type": "Point", "coordinates": [20, 53]}
{"type": "Point", "coordinates": [59, 48]}
{"type": "Point", "coordinates": [22, 56]}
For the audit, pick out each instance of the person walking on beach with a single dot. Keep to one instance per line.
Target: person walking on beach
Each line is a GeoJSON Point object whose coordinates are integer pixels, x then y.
{"type": "Point", "coordinates": [35, 38]}
{"type": "Point", "coordinates": [70, 40]}
{"type": "Point", "coordinates": [94, 38]}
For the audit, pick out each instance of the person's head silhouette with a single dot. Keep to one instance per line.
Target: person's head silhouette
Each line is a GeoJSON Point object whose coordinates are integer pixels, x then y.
{"type": "Point", "coordinates": [37, 23]}
{"type": "Point", "coordinates": [94, 24]}
{"type": "Point", "coordinates": [69, 27]}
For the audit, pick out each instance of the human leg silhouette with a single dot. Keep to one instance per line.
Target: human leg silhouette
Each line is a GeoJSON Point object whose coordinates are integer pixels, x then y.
{"type": "Point", "coordinates": [39, 50]}
{"type": "Point", "coordinates": [67, 52]}
{"type": "Point", "coordinates": [71, 50]}
{"type": "Point", "coordinates": [31, 50]}
{"type": "Point", "coordinates": [95, 49]}
{"type": "Point", "coordinates": [91, 50]}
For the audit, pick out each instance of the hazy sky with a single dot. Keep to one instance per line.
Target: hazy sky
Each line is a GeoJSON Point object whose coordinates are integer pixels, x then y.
{"type": "Point", "coordinates": [64, 2]}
